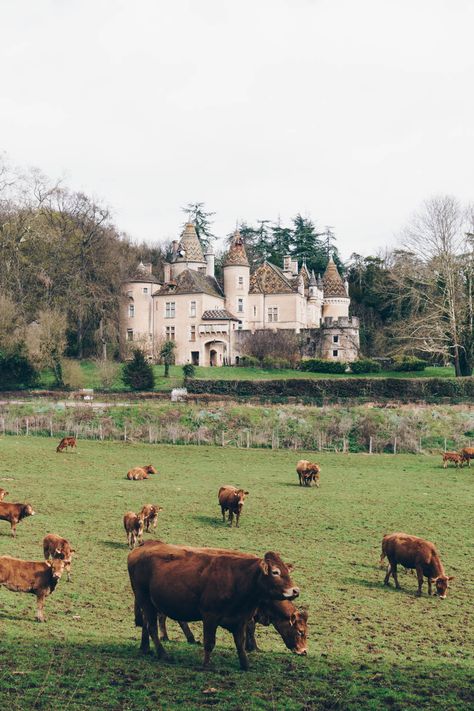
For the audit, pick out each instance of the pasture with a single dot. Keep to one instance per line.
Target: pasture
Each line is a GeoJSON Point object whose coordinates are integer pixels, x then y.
{"type": "Point", "coordinates": [370, 647]}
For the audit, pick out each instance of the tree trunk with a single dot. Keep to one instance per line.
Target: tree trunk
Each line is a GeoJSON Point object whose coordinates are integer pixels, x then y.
{"type": "Point", "coordinates": [167, 370]}
{"type": "Point", "coordinates": [79, 337]}
{"type": "Point", "coordinates": [102, 339]}
{"type": "Point", "coordinates": [465, 364]}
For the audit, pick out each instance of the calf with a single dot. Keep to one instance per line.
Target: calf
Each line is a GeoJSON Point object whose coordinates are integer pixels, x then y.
{"type": "Point", "coordinates": [133, 525]}
{"type": "Point", "coordinates": [3, 493]}
{"type": "Point", "coordinates": [455, 457]}
{"type": "Point", "coordinates": [231, 499]}
{"type": "Point", "coordinates": [308, 472]}
{"type": "Point", "coordinates": [150, 516]}
{"type": "Point", "coordinates": [467, 454]}
{"type": "Point", "coordinates": [65, 443]}
{"type": "Point", "coordinates": [415, 553]}
{"type": "Point", "coordinates": [38, 578]}
{"type": "Point", "coordinates": [56, 547]}
{"type": "Point", "coordinates": [141, 472]}
{"type": "Point", "coordinates": [14, 513]}
{"type": "Point", "coordinates": [290, 623]}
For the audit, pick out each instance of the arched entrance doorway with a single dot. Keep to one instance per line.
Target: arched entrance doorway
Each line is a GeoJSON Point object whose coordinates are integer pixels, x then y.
{"type": "Point", "coordinates": [215, 353]}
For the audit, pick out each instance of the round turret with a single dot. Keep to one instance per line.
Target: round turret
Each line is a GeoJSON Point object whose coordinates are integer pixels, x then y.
{"type": "Point", "coordinates": [236, 270]}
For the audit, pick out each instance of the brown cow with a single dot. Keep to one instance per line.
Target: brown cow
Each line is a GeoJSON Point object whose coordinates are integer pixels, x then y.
{"type": "Point", "coordinates": [14, 513]}
{"type": "Point", "coordinates": [56, 547]}
{"type": "Point", "coordinates": [141, 472]}
{"type": "Point", "coordinates": [3, 493]}
{"type": "Point", "coordinates": [191, 584]}
{"type": "Point", "coordinates": [467, 454]}
{"type": "Point", "coordinates": [415, 553]}
{"type": "Point", "coordinates": [231, 499]}
{"type": "Point", "coordinates": [133, 525]}
{"type": "Point", "coordinates": [39, 578]}
{"type": "Point", "coordinates": [308, 472]}
{"type": "Point", "coordinates": [291, 623]}
{"type": "Point", "coordinates": [150, 516]}
{"type": "Point", "coordinates": [65, 443]}
{"type": "Point", "coordinates": [455, 457]}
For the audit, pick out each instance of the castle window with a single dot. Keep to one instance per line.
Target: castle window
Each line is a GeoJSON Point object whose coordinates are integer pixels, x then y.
{"type": "Point", "coordinates": [170, 309]}
{"type": "Point", "coordinates": [335, 339]}
{"type": "Point", "coordinates": [192, 332]}
{"type": "Point", "coordinates": [240, 282]}
{"type": "Point", "coordinates": [145, 290]}
{"type": "Point", "coordinates": [192, 309]}
{"type": "Point", "coordinates": [131, 310]}
{"type": "Point", "coordinates": [335, 354]}
{"type": "Point", "coordinates": [272, 314]}
{"type": "Point", "coordinates": [255, 312]}
{"type": "Point", "coordinates": [170, 333]}
{"type": "Point", "coordinates": [129, 334]}
{"type": "Point", "coordinates": [240, 306]}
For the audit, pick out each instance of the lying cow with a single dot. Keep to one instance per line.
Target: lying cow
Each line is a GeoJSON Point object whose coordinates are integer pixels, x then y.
{"type": "Point", "coordinates": [308, 472]}
{"type": "Point", "coordinates": [39, 578]}
{"type": "Point", "coordinates": [467, 454]}
{"type": "Point", "coordinates": [65, 443]}
{"type": "Point", "coordinates": [133, 525]}
{"type": "Point", "coordinates": [15, 513]}
{"type": "Point", "coordinates": [141, 472]}
{"type": "Point", "coordinates": [150, 516]}
{"type": "Point", "coordinates": [415, 553]}
{"type": "Point", "coordinates": [3, 493]}
{"type": "Point", "coordinates": [454, 457]}
{"type": "Point", "coordinates": [56, 547]}
{"type": "Point", "coordinates": [231, 499]}
{"type": "Point", "coordinates": [291, 623]}
{"type": "Point", "coordinates": [191, 584]}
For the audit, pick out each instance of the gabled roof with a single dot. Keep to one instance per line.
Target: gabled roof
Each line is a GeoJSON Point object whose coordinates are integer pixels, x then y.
{"type": "Point", "coordinates": [191, 282]}
{"type": "Point", "coordinates": [269, 279]}
{"type": "Point", "coordinates": [218, 315]}
{"type": "Point", "coordinates": [236, 256]}
{"type": "Point", "coordinates": [332, 281]}
{"type": "Point", "coordinates": [189, 247]}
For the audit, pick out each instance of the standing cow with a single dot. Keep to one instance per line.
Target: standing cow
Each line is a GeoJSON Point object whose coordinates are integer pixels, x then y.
{"type": "Point", "coordinates": [191, 584]}
{"type": "Point", "coordinates": [467, 454]}
{"type": "Point", "coordinates": [13, 513]}
{"type": "Point", "coordinates": [455, 457]}
{"type": "Point", "coordinates": [308, 472]}
{"type": "Point", "coordinates": [133, 525]}
{"type": "Point", "coordinates": [414, 553]}
{"type": "Point", "coordinates": [150, 516]}
{"type": "Point", "coordinates": [38, 578]}
{"type": "Point", "coordinates": [56, 547]}
{"type": "Point", "coordinates": [231, 499]}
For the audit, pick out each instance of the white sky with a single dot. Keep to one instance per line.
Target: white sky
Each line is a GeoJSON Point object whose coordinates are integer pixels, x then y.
{"type": "Point", "coordinates": [352, 112]}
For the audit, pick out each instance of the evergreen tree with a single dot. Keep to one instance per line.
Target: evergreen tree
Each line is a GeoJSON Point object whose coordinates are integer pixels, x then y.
{"type": "Point", "coordinates": [138, 373]}
{"type": "Point", "coordinates": [167, 355]}
{"type": "Point", "coordinates": [201, 221]}
{"type": "Point", "coordinates": [281, 242]}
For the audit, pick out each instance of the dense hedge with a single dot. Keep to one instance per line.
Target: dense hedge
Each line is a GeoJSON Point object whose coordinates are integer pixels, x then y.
{"type": "Point", "coordinates": [319, 365]}
{"type": "Point", "coordinates": [366, 365]}
{"type": "Point", "coordinates": [409, 363]}
{"type": "Point", "coordinates": [406, 390]}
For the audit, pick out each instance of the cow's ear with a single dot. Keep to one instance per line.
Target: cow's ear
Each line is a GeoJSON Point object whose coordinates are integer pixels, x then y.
{"type": "Point", "coordinates": [293, 619]}
{"type": "Point", "coordinates": [433, 580]}
{"type": "Point", "coordinates": [290, 567]}
{"type": "Point", "coordinates": [264, 566]}
{"type": "Point", "coordinates": [246, 493]}
{"type": "Point", "coordinates": [48, 562]}
{"type": "Point", "coordinates": [58, 551]}
{"type": "Point", "coordinates": [451, 577]}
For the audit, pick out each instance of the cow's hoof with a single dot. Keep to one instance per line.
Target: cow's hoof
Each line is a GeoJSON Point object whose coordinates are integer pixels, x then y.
{"type": "Point", "coordinates": [418, 593]}
{"type": "Point", "coordinates": [145, 652]}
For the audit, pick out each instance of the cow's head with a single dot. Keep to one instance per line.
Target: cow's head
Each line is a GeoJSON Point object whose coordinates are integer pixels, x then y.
{"type": "Point", "coordinates": [150, 469]}
{"type": "Point", "coordinates": [442, 585]}
{"type": "Point", "coordinates": [27, 510]}
{"type": "Point", "coordinates": [3, 493]}
{"type": "Point", "coordinates": [239, 497]}
{"type": "Point", "coordinates": [294, 630]}
{"type": "Point", "coordinates": [57, 568]}
{"type": "Point", "coordinates": [276, 581]}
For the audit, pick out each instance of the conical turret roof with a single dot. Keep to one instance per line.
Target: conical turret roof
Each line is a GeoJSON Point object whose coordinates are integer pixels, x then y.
{"type": "Point", "coordinates": [189, 247]}
{"type": "Point", "coordinates": [312, 280]}
{"type": "Point", "coordinates": [236, 256]}
{"type": "Point", "coordinates": [332, 281]}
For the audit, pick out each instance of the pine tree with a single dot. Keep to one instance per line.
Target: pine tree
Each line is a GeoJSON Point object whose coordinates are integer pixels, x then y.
{"type": "Point", "coordinates": [201, 221]}
{"type": "Point", "coordinates": [138, 373]}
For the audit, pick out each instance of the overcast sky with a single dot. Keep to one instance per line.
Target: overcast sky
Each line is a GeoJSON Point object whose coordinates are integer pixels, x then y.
{"type": "Point", "coordinates": [350, 112]}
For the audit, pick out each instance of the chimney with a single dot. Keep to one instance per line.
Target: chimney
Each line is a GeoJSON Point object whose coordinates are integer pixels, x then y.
{"type": "Point", "coordinates": [294, 267]}
{"type": "Point", "coordinates": [166, 272]}
{"type": "Point", "coordinates": [210, 259]}
{"type": "Point", "coordinates": [148, 267]}
{"type": "Point", "coordinates": [287, 263]}
{"type": "Point", "coordinates": [174, 246]}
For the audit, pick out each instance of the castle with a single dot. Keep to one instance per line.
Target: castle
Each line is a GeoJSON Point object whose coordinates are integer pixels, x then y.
{"type": "Point", "coordinates": [208, 320]}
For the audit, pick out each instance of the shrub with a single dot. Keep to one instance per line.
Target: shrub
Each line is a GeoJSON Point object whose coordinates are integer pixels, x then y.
{"type": "Point", "coordinates": [16, 370]}
{"type": "Point", "coordinates": [137, 373]}
{"type": "Point", "coordinates": [248, 361]}
{"type": "Point", "coordinates": [73, 376]}
{"type": "Point", "coordinates": [188, 371]}
{"type": "Point", "coordinates": [318, 365]}
{"type": "Point", "coordinates": [366, 365]}
{"type": "Point", "coordinates": [107, 373]}
{"type": "Point", "coordinates": [407, 363]}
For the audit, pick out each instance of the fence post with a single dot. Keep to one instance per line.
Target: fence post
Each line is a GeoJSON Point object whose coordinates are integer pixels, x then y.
{"type": "Point", "coordinates": [445, 448]}
{"type": "Point", "coordinates": [394, 445]}
{"type": "Point", "coordinates": [222, 439]}
{"type": "Point", "coordinates": [248, 439]}
{"type": "Point", "coordinates": [149, 434]}
{"type": "Point", "coordinates": [125, 433]}
{"type": "Point", "coordinates": [27, 427]}
{"type": "Point", "coordinates": [370, 445]}
{"type": "Point", "coordinates": [50, 426]}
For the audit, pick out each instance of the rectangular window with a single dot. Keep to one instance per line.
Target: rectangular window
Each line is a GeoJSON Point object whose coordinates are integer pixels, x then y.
{"type": "Point", "coordinates": [334, 353]}
{"type": "Point", "coordinates": [335, 339]}
{"type": "Point", "coordinates": [129, 334]}
{"type": "Point", "coordinates": [192, 332]}
{"type": "Point", "coordinates": [145, 290]}
{"type": "Point", "coordinates": [170, 309]}
{"type": "Point", "coordinates": [255, 312]}
{"type": "Point", "coordinates": [192, 309]}
{"type": "Point", "coordinates": [170, 333]}
{"type": "Point", "coordinates": [240, 306]}
{"type": "Point", "coordinates": [240, 282]}
{"type": "Point", "coordinates": [272, 314]}
{"type": "Point", "coordinates": [131, 310]}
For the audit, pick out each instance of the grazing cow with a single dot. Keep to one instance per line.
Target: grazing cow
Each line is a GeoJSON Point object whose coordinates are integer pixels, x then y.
{"type": "Point", "coordinates": [39, 578]}
{"type": "Point", "coordinates": [56, 547]}
{"type": "Point", "coordinates": [191, 584]}
{"type": "Point", "coordinates": [455, 457]}
{"type": "Point", "coordinates": [231, 499]}
{"type": "Point", "coordinates": [141, 472]}
{"type": "Point", "coordinates": [133, 525]}
{"type": "Point", "coordinates": [65, 443]}
{"type": "Point", "coordinates": [308, 472]}
{"type": "Point", "coordinates": [415, 553]}
{"type": "Point", "coordinates": [467, 454]}
{"type": "Point", "coordinates": [3, 493]}
{"type": "Point", "coordinates": [291, 623]}
{"type": "Point", "coordinates": [150, 516]}
{"type": "Point", "coordinates": [14, 513]}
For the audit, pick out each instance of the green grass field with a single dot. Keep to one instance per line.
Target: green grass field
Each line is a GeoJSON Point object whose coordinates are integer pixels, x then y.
{"type": "Point", "coordinates": [91, 377]}
{"type": "Point", "coordinates": [370, 647]}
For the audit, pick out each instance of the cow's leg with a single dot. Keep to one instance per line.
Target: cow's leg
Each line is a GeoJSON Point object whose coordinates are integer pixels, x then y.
{"type": "Point", "coordinates": [445, 463]}
{"type": "Point", "coordinates": [163, 631]}
{"type": "Point", "coordinates": [40, 607]}
{"type": "Point", "coordinates": [231, 517]}
{"type": "Point", "coordinates": [145, 643]}
{"type": "Point", "coordinates": [150, 619]}
{"type": "Point", "coordinates": [394, 575]}
{"type": "Point", "coordinates": [239, 639]}
{"type": "Point", "coordinates": [299, 477]}
{"type": "Point", "coordinates": [190, 638]}
{"type": "Point", "coordinates": [430, 591]}
{"type": "Point", "coordinates": [250, 642]}
{"type": "Point", "coordinates": [67, 568]}
{"type": "Point", "coordinates": [13, 527]}
{"type": "Point", "coordinates": [223, 514]}
{"type": "Point", "coordinates": [209, 626]}
{"type": "Point", "coordinates": [237, 516]}
{"type": "Point", "coordinates": [387, 576]}
{"type": "Point", "coordinates": [419, 575]}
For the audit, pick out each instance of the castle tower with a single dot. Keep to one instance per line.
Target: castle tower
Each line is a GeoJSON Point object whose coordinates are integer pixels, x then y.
{"type": "Point", "coordinates": [315, 302]}
{"type": "Point", "coordinates": [136, 310]}
{"type": "Point", "coordinates": [188, 253]}
{"type": "Point", "coordinates": [336, 302]}
{"type": "Point", "coordinates": [237, 279]}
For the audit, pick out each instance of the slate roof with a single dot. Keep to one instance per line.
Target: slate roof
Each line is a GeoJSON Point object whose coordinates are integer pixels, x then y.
{"type": "Point", "coordinates": [332, 281]}
{"type": "Point", "coordinates": [192, 282]}
{"type": "Point", "coordinates": [218, 315]}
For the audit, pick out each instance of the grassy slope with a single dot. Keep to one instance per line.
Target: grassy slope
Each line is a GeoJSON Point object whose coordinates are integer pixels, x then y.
{"type": "Point", "coordinates": [91, 379]}
{"type": "Point", "coordinates": [370, 647]}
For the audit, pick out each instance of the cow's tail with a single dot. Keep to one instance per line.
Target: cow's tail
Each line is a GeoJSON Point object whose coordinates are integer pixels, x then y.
{"type": "Point", "coordinates": [138, 615]}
